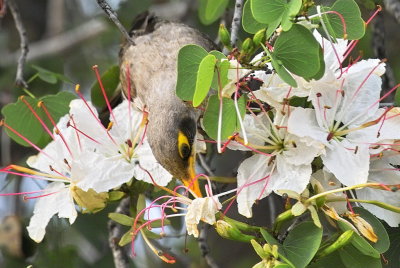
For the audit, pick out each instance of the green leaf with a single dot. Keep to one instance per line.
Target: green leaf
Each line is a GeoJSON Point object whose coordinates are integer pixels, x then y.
{"type": "Point", "coordinates": [383, 243]}
{"type": "Point", "coordinates": [330, 261]}
{"type": "Point", "coordinates": [19, 117]}
{"type": "Point", "coordinates": [126, 238]}
{"type": "Point", "coordinates": [249, 23]}
{"type": "Point", "coordinates": [267, 11]}
{"type": "Point", "coordinates": [259, 249]}
{"type": "Point", "coordinates": [283, 73]}
{"type": "Point", "coordinates": [189, 59]}
{"type": "Point", "coordinates": [115, 195]}
{"type": "Point", "coordinates": [229, 117]}
{"type": "Point", "coordinates": [49, 76]}
{"type": "Point", "coordinates": [269, 238]}
{"type": "Point", "coordinates": [359, 242]}
{"type": "Point", "coordinates": [291, 10]}
{"type": "Point", "coordinates": [352, 258]}
{"type": "Point", "coordinates": [204, 79]}
{"type": "Point", "coordinates": [221, 75]}
{"type": "Point", "coordinates": [302, 243]}
{"type": "Point", "coordinates": [393, 254]}
{"type": "Point", "coordinates": [321, 70]}
{"type": "Point", "coordinates": [349, 10]}
{"type": "Point", "coordinates": [298, 51]}
{"type": "Point", "coordinates": [110, 81]}
{"type": "Point", "coordinates": [121, 218]}
{"type": "Point", "coordinates": [211, 10]}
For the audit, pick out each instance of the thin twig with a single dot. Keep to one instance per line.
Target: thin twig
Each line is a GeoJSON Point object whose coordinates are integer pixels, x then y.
{"type": "Point", "coordinates": [237, 16]}
{"type": "Point", "coordinates": [115, 232]}
{"type": "Point", "coordinates": [59, 43]}
{"type": "Point", "coordinates": [393, 7]}
{"type": "Point", "coordinates": [19, 80]}
{"type": "Point", "coordinates": [205, 250]}
{"type": "Point", "coordinates": [205, 166]}
{"type": "Point", "coordinates": [113, 17]}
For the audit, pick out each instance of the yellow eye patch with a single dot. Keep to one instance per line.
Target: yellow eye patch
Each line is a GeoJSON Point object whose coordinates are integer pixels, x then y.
{"type": "Point", "coordinates": [184, 149]}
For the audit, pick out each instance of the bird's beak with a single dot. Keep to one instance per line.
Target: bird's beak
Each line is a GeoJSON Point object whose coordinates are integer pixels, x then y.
{"type": "Point", "coordinates": [190, 182]}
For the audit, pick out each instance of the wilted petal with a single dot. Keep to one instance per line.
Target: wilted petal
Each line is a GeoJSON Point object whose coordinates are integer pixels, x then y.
{"type": "Point", "coordinates": [203, 209]}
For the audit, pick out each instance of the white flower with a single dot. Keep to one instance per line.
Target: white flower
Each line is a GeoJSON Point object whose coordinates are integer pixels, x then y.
{"type": "Point", "coordinates": [285, 166]}
{"type": "Point", "coordinates": [86, 159]}
{"type": "Point", "coordinates": [201, 209]}
{"type": "Point", "coordinates": [346, 103]}
{"type": "Point", "coordinates": [121, 151]}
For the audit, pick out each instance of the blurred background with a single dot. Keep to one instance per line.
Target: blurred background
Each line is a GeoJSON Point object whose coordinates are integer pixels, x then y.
{"type": "Point", "coordinates": [68, 37]}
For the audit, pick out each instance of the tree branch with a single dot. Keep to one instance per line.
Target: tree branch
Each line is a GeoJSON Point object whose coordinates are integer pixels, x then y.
{"type": "Point", "coordinates": [237, 16]}
{"type": "Point", "coordinates": [205, 250]}
{"type": "Point", "coordinates": [113, 17]}
{"type": "Point", "coordinates": [115, 232]}
{"type": "Point", "coordinates": [59, 43]}
{"type": "Point", "coordinates": [19, 80]}
{"type": "Point", "coordinates": [393, 7]}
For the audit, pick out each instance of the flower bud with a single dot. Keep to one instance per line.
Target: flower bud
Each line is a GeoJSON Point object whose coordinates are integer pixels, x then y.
{"type": "Point", "coordinates": [229, 231]}
{"type": "Point", "coordinates": [259, 37]}
{"type": "Point", "coordinates": [224, 36]}
{"type": "Point", "coordinates": [247, 45]}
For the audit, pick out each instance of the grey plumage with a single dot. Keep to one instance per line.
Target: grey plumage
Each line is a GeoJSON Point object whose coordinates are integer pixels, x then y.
{"type": "Point", "coordinates": [152, 63]}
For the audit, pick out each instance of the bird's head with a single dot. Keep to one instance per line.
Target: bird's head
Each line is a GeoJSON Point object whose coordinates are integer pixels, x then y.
{"type": "Point", "coordinates": [172, 137]}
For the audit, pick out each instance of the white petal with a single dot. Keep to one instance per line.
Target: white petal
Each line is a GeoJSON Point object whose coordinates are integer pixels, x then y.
{"type": "Point", "coordinates": [60, 203]}
{"type": "Point", "coordinates": [149, 163]}
{"type": "Point", "coordinates": [100, 173]}
{"type": "Point", "coordinates": [257, 130]}
{"type": "Point", "coordinates": [289, 176]}
{"type": "Point", "coordinates": [348, 162]}
{"type": "Point", "coordinates": [251, 170]}
{"type": "Point", "coordinates": [303, 123]}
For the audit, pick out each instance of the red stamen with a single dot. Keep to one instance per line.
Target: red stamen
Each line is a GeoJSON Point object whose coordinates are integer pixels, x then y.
{"type": "Point", "coordinates": [93, 114]}
{"type": "Point", "coordinates": [22, 98]}
{"type": "Point", "coordinates": [43, 106]}
{"type": "Point", "coordinates": [96, 71]}
{"type": "Point", "coordinates": [3, 123]}
{"type": "Point", "coordinates": [76, 131]}
{"type": "Point", "coordinates": [83, 133]}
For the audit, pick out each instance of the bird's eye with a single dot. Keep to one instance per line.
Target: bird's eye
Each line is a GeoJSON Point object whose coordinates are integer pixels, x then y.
{"type": "Point", "coordinates": [184, 148]}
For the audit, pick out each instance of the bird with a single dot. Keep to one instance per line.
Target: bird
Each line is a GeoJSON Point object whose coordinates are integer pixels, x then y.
{"type": "Point", "coordinates": [150, 63]}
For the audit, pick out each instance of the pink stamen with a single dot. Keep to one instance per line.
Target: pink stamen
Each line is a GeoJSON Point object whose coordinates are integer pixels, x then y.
{"type": "Point", "coordinates": [96, 71]}
{"type": "Point", "coordinates": [253, 149]}
{"type": "Point", "coordinates": [363, 82]}
{"type": "Point", "coordinates": [22, 98]}
{"type": "Point", "coordinates": [41, 105]}
{"type": "Point", "coordinates": [93, 114]}
{"type": "Point", "coordinates": [342, 20]}
{"type": "Point", "coordinates": [23, 193]}
{"type": "Point", "coordinates": [3, 123]}
{"type": "Point", "coordinates": [76, 131]}
{"type": "Point", "coordinates": [39, 196]}
{"type": "Point", "coordinates": [83, 133]}
{"type": "Point", "coordinates": [28, 175]}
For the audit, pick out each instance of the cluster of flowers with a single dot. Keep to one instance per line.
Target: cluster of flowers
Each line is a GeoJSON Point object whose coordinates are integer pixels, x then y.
{"type": "Point", "coordinates": [85, 160]}
{"type": "Point", "coordinates": [342, 125]}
